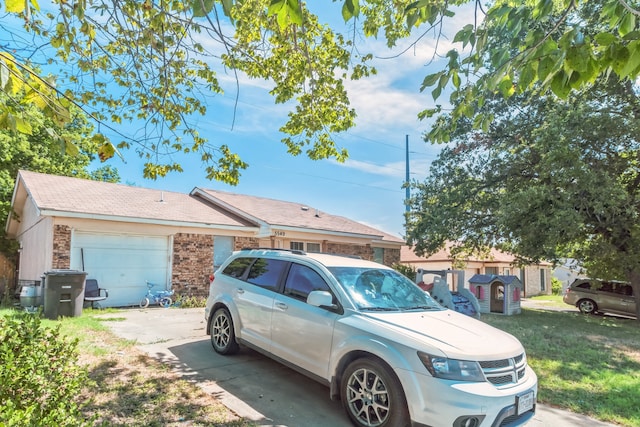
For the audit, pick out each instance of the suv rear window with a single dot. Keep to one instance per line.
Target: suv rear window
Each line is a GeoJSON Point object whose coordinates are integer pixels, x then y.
{"type": "Point", "coordinates": [584, 285]}
{"type": "Point", "coordinates": [237, 267]}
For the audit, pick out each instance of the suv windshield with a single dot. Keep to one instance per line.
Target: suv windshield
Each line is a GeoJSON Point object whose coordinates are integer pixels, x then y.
{"type": "Point", "coordinates": [381, 289]}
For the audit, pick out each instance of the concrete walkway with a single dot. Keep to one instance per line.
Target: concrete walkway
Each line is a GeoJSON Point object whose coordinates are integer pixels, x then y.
{"type": "Point", "coordinates": [251, 385]}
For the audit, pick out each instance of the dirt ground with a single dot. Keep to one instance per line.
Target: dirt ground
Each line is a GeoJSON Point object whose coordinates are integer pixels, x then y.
{"type": "Point", "coordinates": [131, 389]}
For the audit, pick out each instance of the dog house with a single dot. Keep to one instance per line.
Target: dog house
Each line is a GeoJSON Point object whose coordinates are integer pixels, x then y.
{"type": "Point", "coordinates": [497, 294]}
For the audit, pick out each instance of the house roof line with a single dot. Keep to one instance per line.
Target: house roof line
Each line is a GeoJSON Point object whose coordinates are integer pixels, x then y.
{"type": "Point", "coordinates": [274, 214]}
{"type": "Point", "coordinates": [78, 198]}
{"type": "Point", "coordinates": [153, 221]}
{"type": "Point", "coordinates": [199, 192]}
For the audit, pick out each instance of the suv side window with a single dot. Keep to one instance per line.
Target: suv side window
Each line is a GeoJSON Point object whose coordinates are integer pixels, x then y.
{"type": "Point", "coordinates": [302, 280]}
{"type": "Point", "coordinates": [606, 287]}
{"type": "Point", "coordinates": [237, 267]}
{"type": "Point", "coordinates": [623, 289]}
{"type": "Point", "coordinates": [584, 285]}
{"type": "Point", "coordinates": [266, 273]}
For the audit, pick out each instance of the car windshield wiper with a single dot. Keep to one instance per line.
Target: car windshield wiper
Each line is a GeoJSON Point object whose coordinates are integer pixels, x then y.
{"type": "Point", "coordinates": [378, 309]}
{"type": "Point", "coordinates": [420, 307]}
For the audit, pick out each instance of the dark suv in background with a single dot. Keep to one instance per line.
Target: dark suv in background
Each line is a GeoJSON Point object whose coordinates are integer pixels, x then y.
{"type": "Point", "coordinates": [599, 296]}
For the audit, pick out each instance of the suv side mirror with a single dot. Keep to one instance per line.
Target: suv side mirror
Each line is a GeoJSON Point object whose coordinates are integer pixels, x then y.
{"type": "Point", "coordinates": [321, 299]}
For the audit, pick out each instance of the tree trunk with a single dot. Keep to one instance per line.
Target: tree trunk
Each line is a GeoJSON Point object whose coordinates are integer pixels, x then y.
{"type": "Point", "coordinates": [634, 279]}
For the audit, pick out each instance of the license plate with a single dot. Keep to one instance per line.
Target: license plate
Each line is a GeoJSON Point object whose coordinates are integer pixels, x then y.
{"type": "Point", "coordinates": [524, 402]}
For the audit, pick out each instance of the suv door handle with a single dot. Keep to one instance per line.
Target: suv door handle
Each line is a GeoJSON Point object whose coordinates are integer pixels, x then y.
{"type": "Point", "coordinates": [282, 305]}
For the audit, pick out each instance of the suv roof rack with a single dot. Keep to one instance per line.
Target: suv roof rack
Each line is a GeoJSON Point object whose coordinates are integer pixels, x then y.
{"type": "Point", "coordinates": [293, 251]}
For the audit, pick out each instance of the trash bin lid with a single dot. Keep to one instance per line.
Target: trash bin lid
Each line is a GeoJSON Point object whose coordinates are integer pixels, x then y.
{"type": "Point", "coordinates": [64, 272]}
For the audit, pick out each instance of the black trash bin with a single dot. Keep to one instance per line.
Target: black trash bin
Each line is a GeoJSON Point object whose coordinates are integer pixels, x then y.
{"type": "Point", "coordinates": [63, 293]}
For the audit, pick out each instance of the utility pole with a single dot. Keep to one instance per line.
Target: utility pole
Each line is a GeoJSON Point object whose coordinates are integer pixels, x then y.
{"type": "Point", "coordinates": [406, 182]}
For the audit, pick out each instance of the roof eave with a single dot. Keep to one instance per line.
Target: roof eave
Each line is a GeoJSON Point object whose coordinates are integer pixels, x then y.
{"type": "Point", "coordinates": [198, 192]}
{"type": "Point", "coordinates": [151, 221]}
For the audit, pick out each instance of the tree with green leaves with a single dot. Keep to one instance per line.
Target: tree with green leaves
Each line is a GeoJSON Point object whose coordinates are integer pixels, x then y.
{"type": "Point", "coordinates": [39, 151]}
{"type": "Point", "coordinates": [549, 178]}
{"type": "Point", "coordinates": [162, 57]}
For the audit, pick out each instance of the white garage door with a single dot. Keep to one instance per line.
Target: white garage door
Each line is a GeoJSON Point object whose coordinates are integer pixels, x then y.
{"type": "Point", "coordinates": [122, 263]}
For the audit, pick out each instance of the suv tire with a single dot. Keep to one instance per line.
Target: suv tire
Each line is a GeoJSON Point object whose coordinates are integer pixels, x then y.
{"type": "Point", "coordinates": [223, 337]}
{"type": "Point", "coordinates": [372, 395]}
{"type": "Point", "coordinates": [587, 306]}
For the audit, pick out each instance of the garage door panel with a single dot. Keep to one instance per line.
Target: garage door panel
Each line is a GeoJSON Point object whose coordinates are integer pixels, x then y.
{"type": "Point", "coordinates": [122, 263]}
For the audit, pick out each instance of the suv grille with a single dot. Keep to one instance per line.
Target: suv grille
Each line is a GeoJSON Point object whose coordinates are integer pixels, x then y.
{"type": "Point", "coordinates": [506, 371]}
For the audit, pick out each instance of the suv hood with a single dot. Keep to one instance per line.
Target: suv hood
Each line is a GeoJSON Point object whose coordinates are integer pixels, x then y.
{"type": "Point", "coordinates": [454, 334]}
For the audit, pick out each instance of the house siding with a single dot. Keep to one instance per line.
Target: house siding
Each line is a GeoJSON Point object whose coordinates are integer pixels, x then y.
{"type": "Point", "coordinates": [532, 283]}
{"type": "Point", "coordinates": [192, 263]}
{"type": "Point", "coordinates": [61, 247]}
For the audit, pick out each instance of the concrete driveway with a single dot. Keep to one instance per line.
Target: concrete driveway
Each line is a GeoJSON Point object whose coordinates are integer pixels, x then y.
{"type": "Point", "coordinates": [248, 383]}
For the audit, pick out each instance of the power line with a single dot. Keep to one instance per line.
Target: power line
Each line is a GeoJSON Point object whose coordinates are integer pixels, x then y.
{"type": "Point", "coordinates": [399, 190]}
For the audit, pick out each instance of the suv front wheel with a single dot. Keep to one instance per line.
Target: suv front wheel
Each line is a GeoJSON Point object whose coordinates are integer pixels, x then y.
{"type": "Point", "coordinates": [223, 337]}
{"type": "Point", "coordinates": [372, 395]}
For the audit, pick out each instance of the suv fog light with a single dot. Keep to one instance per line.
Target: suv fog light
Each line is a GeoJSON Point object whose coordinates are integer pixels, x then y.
{"type": "Point", "coordinates": [468, 421]}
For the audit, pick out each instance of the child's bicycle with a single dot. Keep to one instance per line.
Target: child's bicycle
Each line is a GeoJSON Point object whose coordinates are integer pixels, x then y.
{"type": "Point", "coordinates": [162, 298]}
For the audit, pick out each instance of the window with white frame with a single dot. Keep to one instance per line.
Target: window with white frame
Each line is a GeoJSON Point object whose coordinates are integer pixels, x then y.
{"type": "Point", "coordinates": [313, 247]}
{"type": "Point", "coordinates": [296, 246]}
{"type": "Point", "coordinates": [305, 246]}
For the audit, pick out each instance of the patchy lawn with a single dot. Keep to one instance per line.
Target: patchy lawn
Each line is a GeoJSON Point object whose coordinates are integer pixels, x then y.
{"type": "Point", "coordinates": [133, 389]}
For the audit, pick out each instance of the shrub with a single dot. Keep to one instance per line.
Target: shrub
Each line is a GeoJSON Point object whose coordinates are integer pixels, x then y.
{"type": "Point", "coordinates": [186, 301]}
{"type": "Point", "coordinates": [556, 286]}
{"type": "Point", "coordinates": [407, 270]}
{"type": "Point", "coordinates": [40, 378]}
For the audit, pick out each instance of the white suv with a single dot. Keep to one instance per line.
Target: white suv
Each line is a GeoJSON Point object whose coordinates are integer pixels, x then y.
{"type": "Point", "coordinates": [392, 354]}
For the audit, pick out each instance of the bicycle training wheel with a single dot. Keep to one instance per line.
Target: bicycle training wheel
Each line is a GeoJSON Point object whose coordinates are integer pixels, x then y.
{"type": "Point", "coordinates": [165, 302]}
{"type": "Point", "coordinates": [144, 302]}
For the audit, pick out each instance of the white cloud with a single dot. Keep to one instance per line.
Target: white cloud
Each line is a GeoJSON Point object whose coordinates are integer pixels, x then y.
{"type": "Point", "coordinates": [418, 168]}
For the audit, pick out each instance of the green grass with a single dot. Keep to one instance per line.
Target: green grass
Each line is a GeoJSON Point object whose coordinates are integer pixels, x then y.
{"type": "Point", "coordinates": [129, 388]}
{"type": "Point", "coordinates": [550, 301]}
{"type": "Point", "coordinates": [587, 364]}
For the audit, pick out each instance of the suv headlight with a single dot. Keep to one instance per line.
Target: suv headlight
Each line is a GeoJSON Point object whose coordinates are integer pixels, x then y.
{"type": "Point", "coordinates": [452, 369]}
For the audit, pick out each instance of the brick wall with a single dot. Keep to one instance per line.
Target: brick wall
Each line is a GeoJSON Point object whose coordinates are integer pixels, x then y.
{"type": "Point", "coordinates": [246, 242]}
{"type": "Point", "coordinates": [61, 247]}
{"type": "Point", "coordinates": [192, 263]}
{"type": "Point", "coordinates": [391, 256]}
{"type": "Point", "coordinates": [364, 252]}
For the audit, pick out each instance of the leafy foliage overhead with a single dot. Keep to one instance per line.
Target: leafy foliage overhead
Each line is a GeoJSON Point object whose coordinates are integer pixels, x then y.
{"type": "Point", "coordinates": [48, 148]}
{"type": "Point", "coordinates": [549, 179]}
{"type": "Point", "coordinates": [163, 58]}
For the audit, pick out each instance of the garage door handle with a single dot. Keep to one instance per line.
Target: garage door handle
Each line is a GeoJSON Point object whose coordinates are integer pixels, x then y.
{"type": "Point", "coordinates": [282, 306]}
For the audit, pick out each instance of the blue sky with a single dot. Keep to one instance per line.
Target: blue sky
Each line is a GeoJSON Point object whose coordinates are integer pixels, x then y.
{"type": "Point", "coordinates": [368, 186]}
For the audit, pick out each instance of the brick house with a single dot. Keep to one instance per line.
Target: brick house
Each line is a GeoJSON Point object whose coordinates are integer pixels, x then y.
{"type": "Point", "coordinates": [123, 235]}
